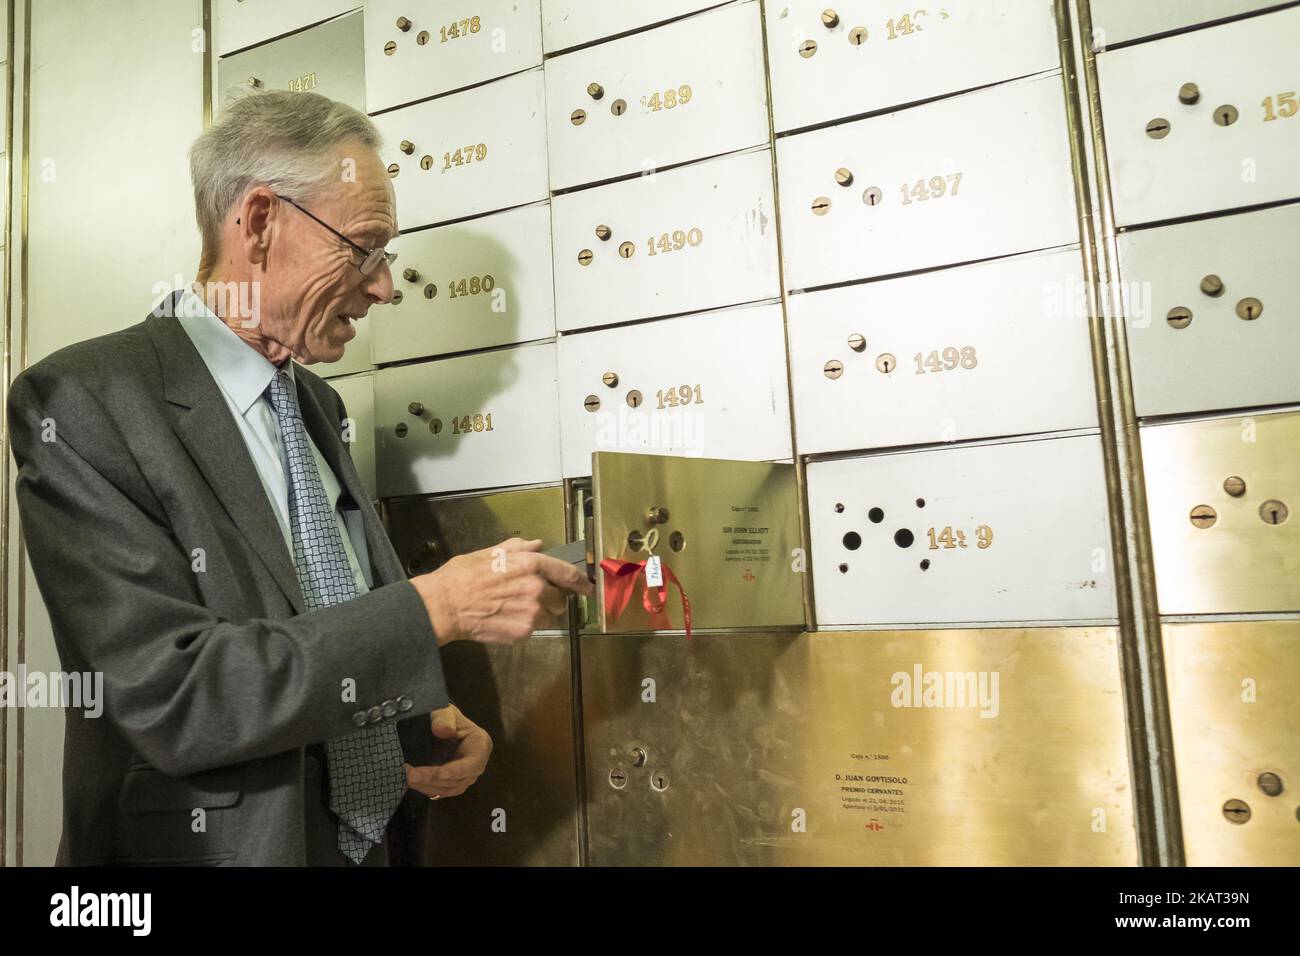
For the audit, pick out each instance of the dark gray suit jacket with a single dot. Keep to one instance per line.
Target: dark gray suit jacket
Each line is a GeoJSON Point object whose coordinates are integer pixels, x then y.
{"type": "Point", "coordinates": [215, 680]}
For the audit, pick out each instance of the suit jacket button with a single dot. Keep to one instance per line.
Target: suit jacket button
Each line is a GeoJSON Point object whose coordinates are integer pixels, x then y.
{"type": "Point", "coordinates": [359, 718]}
{"type": "Point", "coordinates": [405, 703]}
{"type": "Point", "coordinates": [375, 714]}
{"type": "Point", "coordinates": [390, 708]}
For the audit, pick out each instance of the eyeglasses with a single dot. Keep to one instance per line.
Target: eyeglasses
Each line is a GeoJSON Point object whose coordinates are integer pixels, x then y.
{"type": "Point", "coordinates": [370, 258]}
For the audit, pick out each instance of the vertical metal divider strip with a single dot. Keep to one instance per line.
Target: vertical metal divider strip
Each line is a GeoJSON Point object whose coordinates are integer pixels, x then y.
{"type": "Point", "coordinates": [4, 422]}
{"type": "Point", "coordinates": [208, 64]}
{"type": "Point", "coordinates": [800, 475]}
{"type": "Point", "coordinates": [21, 549]}
{"type": "Point", "coordinates": [1155, 796]}
{"type": "Point", "coordinates": [577, 726]}
{"type": "Point", "coordinates": [575, 690]}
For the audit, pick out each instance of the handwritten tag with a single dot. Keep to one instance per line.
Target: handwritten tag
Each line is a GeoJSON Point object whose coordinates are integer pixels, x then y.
{"type": "Point", "coordinates": [654, 572]}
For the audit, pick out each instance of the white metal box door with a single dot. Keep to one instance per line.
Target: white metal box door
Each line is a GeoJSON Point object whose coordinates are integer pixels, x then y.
{"type": "Point", "coordinates": [685, 240]}
{"type": "Point", "coordinates": [358, 394]}
{"type": "Point", "coordinates": [866, 55]}
{"type": "Point", "coordinates": [568, 23]}
{"type": "Point", "coordinates": [688, 90]}
{"type": "Point", "coordinates": [417, 50]}
{"type": "Point", "coordinates": [996, 348]}
{"type": "Point", "coordinates": [327, 59]}
{"type": "Point", "coordinates": [986, 533]}
{"type": "Point", "coordinates": [1119, 21]}
{"type": "Point", "coordinates": [468, 153]}
{"type": "Point", "coordinates": [486, 420]}
{"type": "Point", "coordinates": [242, 23]}
{"type": "Point", "coordinates": [1204, 121]}
{"type": "Point", "coordinates": [942, 183]}
{"type": "Point", "coordinates": [470, 285]}
{"type": "Point", "coordinates": [701, 386]}
{"type": "Point", "coordinates": [1212, 312]}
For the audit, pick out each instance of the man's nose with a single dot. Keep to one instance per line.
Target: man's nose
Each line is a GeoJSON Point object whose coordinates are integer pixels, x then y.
{"type": "Point", "coordinates": [378, 286]}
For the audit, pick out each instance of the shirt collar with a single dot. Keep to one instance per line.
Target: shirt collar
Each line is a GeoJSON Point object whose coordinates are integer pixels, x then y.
{"type": "Point", "coordinates": [241, 371]}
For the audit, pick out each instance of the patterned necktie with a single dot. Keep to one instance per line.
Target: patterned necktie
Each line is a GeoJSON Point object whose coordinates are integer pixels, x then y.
{"type": "Point", "coordinates": [365, 768]}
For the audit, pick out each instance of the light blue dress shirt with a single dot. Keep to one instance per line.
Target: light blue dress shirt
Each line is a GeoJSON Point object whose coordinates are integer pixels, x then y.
{"type": "Point", "coordinates": [242, 374]}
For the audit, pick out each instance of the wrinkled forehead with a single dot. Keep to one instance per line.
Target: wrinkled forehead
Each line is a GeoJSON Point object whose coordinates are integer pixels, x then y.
{"type": "Point", "coordinates": [363, 191]}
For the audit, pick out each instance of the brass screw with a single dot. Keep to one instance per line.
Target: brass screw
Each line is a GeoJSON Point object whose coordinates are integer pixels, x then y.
{"type": "Point", "coordinates": [858, 36]}
{"type": "Point", "coordinates": [886, 363]}
{"type": "Point", "coordinates": [1225, 115]}
{"type": "Point", "coordinates": [603, 233]}
{"type": "Point", "coordinates": [821, 205]}
{"type": "Point", "coordinates": [410, 275]}
{"type": "Point", "coordinates": [254, 82]}
{"type": "Point", "coordinates": [595, 91]}
{"type": "Point", "coordinates": [393, 170]}
{"type": "Point", "coordinates": [857, 342]}
{"type": "Point", "coordinates": [830, 19]}
{"type": "Point", "coordinates": [585, 257]}
{"type": "Point", "coordinates": [1250, 309]}
{"type": "Point", "coordinates": [403, 24]}
{"type": "Point", "coordinates": [807, 48]}
{"type": "Point", "coordinates": [1189, 94]}
{"type": "Point", "coordinates": [833, 369]}
{"type": "Point", "coordinates": [416, 409]}
{"type": "Point", "coordinates": [1270, 783]}
{"type": "Point", "coordinates": [591, 403]}
{"type": "Point", "coordinates": [1179, 317]}
{"type": "Point", "coordinates": [397, 296]}
{"type": "Point", "coordinates": [610, 379]}
{"type": "Point", "coordinates": [1158, 128]}
{"type": "Point", "coordinates": [1203, 516]}
{"type": "Point", "coordinates": [844, 177]}
{"type": "Point", "coordinates": [637, 757]}
{"type": "Point", "coordinates": [1236, 811]}
{"type": "Point", "coordinates": [578, 117]}
{"type": "Point", "coordinates": [1212, 286]}
{"type": "Point", "coordinates": [407, 147]}
{"type": "Point", "coordinates": [1234, 486]}
{"type": "Point", "coordinates": [430, 291]}
{"type": "Point", "coordinates": [390, 47]}
{"type": "Point", "coordinates": [400, 430]}
{"type": "Point", "coordinates": [656, 515]}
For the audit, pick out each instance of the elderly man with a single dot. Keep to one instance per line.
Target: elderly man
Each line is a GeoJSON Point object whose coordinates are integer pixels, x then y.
{"type": "Point", "coordinates": [200, 536]}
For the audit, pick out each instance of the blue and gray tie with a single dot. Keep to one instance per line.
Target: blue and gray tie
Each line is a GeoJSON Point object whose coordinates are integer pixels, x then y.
{"type": "Point", "coordinates": [365, 768]}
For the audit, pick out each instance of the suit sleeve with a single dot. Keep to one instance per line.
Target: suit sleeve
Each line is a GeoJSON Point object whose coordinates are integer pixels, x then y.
{"type": "Point", "coordinates": [189, 690]}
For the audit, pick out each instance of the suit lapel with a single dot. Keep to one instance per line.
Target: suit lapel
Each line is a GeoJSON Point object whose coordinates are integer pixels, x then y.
{"type": "Point", "coordinates": [326, 431]}
{"type": "Point", "coordinates": [204, 424]}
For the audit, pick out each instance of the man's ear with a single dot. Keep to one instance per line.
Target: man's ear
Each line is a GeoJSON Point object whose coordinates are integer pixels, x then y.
{"type": "Point", "coordinates": [255, 220]}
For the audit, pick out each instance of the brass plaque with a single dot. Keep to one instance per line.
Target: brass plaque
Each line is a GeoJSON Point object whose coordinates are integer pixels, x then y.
{"type": "Point", "coordinates": [1236, 726]}
{"type": "Point", "coordinates": [1221, 498]}
{"type": "Point", "coordinates": [524, 810]}
{"type": "Point", "coordinates": [948, 747]}
{"type": "Point", "coordinates": [728, 531]}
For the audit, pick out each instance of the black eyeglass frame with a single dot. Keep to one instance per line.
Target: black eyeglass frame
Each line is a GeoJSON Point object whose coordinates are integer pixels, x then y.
{"type": "Point", "coordinates": [370, 258]}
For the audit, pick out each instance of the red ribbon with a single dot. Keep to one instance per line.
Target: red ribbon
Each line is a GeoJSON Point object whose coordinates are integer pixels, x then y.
{"type": "Point", "coordinates": [620, 581]}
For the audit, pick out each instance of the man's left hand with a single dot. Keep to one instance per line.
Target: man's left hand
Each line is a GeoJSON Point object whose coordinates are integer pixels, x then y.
{"type": "Point", "coordinates": [473, 747]}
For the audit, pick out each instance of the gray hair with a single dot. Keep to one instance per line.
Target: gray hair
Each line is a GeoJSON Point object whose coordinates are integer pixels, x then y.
{"type": "Point", "coordinates": [287, 141]}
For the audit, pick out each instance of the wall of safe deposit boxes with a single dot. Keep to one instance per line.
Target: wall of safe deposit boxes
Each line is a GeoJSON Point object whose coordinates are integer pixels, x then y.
{"type": "Point", "coordinates": [594, 255]}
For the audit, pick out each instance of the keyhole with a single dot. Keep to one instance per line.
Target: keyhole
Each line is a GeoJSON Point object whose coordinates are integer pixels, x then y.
{"type": "Point", "coordinates": [1225, 115]}
{"type": "Point", "coordinates": [1274, 511]}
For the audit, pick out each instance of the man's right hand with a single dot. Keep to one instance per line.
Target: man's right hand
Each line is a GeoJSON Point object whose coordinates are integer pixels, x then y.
{"type": "Point", "coordinates": [499, 595]}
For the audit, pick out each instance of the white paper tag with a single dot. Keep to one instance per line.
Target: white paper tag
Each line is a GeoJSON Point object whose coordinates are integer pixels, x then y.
{"type": "Point", "coordinates": [654, 573]}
